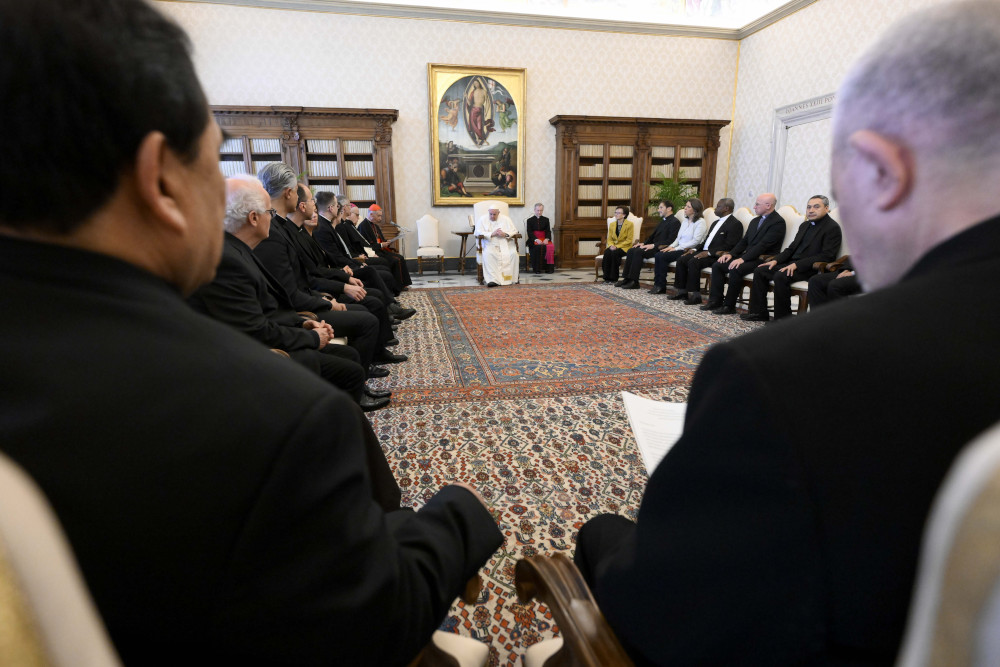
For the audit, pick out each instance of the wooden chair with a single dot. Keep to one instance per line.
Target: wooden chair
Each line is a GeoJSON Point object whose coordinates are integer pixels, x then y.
{"type": "Point", "coordinates": [447, 649]}
{"type": "Point", "coordinates": [586, 639]}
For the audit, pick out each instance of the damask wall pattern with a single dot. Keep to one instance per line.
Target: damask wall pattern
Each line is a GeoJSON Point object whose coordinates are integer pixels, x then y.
{"type": "Point", "coordinates": [251, 56]}
{"type": "Point", "coordinates": [804, 55]}
{"type": "Point", "coordinates": [807, 163]}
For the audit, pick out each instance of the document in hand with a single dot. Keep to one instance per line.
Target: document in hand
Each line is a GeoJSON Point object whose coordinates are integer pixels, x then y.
{"type": "Point", "coordinates": [657, 425]}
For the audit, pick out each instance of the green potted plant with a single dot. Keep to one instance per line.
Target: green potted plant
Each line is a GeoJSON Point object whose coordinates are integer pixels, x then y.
{"type": "Point", "coordinates": [672, 189]}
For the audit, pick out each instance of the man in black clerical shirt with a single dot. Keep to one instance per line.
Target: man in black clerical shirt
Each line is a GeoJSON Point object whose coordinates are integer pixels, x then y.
{"type": "Point", "coordinates": [664, 234]}
{"type": "Point", "coordinates": [538, 239]}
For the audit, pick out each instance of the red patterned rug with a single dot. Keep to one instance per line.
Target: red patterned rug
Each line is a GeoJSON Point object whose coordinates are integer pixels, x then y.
{"type": "Point", "coordinates": [517, 391]}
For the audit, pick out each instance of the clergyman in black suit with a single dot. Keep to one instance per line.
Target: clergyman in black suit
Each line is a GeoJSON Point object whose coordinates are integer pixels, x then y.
{"type": "Point", "coordinates": [818, 239]}
{"type": "Point", "coordinates": [539, 248]}
{"type": "Point", "coordinates": [791, 536]}
{"type": "Point", "coordinates": [722, 236]}
{"type": "Point", "coordinates": [763, 236]}
{"type": "Point", "coordinates": [839, 282]}
{"type": "Point", "coordinates": [662, 237]}
{"type": "Point", "coordinates": [216, 496]}
{"type": "Point", "coordinates": [371, 230]}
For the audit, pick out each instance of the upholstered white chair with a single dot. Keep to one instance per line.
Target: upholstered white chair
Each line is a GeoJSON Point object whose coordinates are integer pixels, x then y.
{"type": "Point", "coordinates": [480, 209]}
{"type": "Point", "coordinates": [955, 614]}
{"type": "Point", "coordinates": [636, 232]}
{"type": "Point", "coordinates": [48, 615]}
{"type": "Point", "coordinates": [428, 243]}
{"type": "Point", "coordinates": [710, 215]}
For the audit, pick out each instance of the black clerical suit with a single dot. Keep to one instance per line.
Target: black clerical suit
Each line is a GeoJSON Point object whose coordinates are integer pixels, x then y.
{"type": "Point", "coordinates": [357, 246]}
{"type": "Point", "coordinates": [537, 251]}
{"type": "Point", "coordinates": [790, 536]}
{"type": "Point", "coordinates": [827, 287]}
{"type": "Point", "coordinates": [687, 273]}
{"type": "Point", "coordinates": [279, 254]}
{"type": "Point", "coordinates": [763, 237]}
{"type": "Point", "coordinates": [372, 233]}
{"type": "Point", "coordinates": [340, 256]}
{"type": "Point", "coordinates": [815, 241]}
{"type": "Point", "coordinates": [664, 234]}
{"type": "Point", "coordinates": [216, 496]}
{"type": "Point", "coordinates": [323, 276]}
{"type": "Point", "coordinates": [245, 296]}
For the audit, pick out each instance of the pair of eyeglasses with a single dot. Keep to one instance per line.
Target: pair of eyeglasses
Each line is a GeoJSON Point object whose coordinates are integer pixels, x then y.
{"type": "Point", "coordinates": [271, 212]}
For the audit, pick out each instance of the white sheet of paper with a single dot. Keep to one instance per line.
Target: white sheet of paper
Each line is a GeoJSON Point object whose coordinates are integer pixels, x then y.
{"type": "Point", "coordinates": [657, 426]}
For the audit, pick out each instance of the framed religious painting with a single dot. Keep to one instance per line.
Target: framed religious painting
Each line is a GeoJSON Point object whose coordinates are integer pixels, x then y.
{"type": "Point", "coordinates": [477, 134]}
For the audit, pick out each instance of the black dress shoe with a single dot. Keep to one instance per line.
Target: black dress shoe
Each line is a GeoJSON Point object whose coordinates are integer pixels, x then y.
{"type": "Point", "coordinates": [377, 372]}
{"type": "Point", "coordinates": [377, 393]}
{"type": "Point", "coordinates": [621, 283]}
{"type": "Point", "coordinates": [537, 273]}
{"type": "Point", "coordinates": [631, 285]}
{"type": "Point", "coordinates": [692, 300]}
{"type": "Point", "coordinates": [492, 284]}
{"type": "Point", "coordinates": [754, 317]}
{"type": "Point", "coordinates": [387, 357]}
{"type": "Point", "coordinates": [658, 290]}
{"type": "Point", "coordinates": [401, 313]}
{"type": "Point", "coordinates": [368, 403]}
{"type": "Point", "coordinates": [550, 269]}
{"type": "Point", "coordinates": [711, 305]}
{"type": "Point", "coordinates": [391, 342]}
{"type": "Point", "coordinates": [725, 310]}
{"type": "Point", "coordinates": [394, 325]}
{"type": "Point", "coordinates": [609, 280]}
{"type": "Point", "coordinates": [679, 296]}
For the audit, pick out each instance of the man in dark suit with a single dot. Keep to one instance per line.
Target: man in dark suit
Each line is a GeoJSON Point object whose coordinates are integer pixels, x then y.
{"type": "Point", "coordinates": [361, 249]}
{"type": "Point", "coordinates": [279, 254]}
{"type": "Point", "coordinates": [839, 282]}
{"type": "Point", "coordinates": [764, 235]}
{"type": "Point", "coordinates": [245, 296]}
{"type": "Point", "coordinates": [818, 239]}
{"type": "Point", "coordinates": [339, 255]}
{"type": "Point", "coordinates": [539, 248]}
{"type": "Point", "coordinates": [661, 238]}
{"type": "Point", "coordinates": [216, 496]}
{"type": "Point", "coordinates": [722, 236]}
{"type": "Point", "coordinates": [791, 534]}
{"type": "Point", "coordinates": [371, 231]}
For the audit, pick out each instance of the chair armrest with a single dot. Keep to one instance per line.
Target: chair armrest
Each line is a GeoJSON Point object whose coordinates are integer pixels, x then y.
{"type": "Point", "coordinates": [587, 637]}
{"type": "Point", "coordinates": [306, 315]}
{"type": "Point", "coordinates": [281, 353]}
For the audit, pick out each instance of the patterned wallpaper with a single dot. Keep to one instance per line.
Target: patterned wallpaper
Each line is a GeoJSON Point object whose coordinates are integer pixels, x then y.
{"type": "Point", "coordinates": [253, 56]}
{"type": "Point", "coordinates": [802, 56]}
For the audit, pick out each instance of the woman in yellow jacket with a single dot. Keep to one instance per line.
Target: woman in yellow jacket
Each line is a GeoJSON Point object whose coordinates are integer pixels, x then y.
{"type": "Point", "coordinates": [620, 236]}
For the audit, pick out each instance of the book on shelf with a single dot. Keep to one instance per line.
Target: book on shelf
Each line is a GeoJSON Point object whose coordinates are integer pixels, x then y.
{"type": "Point", "coordinates": [359, 146]}
{"type": "Point", "coordinates": [621, 151]}
{"type": "Point", "coordinates": [335, 189]}
{"type": "Point", "coordinates": [323, 168]}
{"type": "Point", "coordinates": [661, 171]}
{"type": "Point", "coordinates": [359, 169]}
{"type": "Point", "coordinates": [588, 211]}
{"type": "Point", "coordinates": [619, 192]}
{"type": "Point", "coordinates": [591, 150]}
{"type": "Point", "coordinates": [620, 170]}
{"type": "Point", "coordinates": [361, 192]}
{"type": "Point", "coordinates": [589, 192]}
{"type": "Point", "coordinates": [232, 167]}
{"type": "Point", "coordinates": [591, 171]}
{"type": "Point", "coordinates": [692, 173]}
{"type": "Point", "coordinates": [663, 152]}
{"type": "Point", "coordinates": [321, 146]}
{"type": "Point", "coordinates": [232, 145]}
{"type": "Point", "coordinates": [265, 145]}
{"type": "Point", "coordinates": [692, 152]}
{"type": "Point", "coordinates": [260, 164]}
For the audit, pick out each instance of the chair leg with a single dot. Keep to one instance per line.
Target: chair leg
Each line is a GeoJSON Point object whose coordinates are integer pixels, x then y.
{"type": "Point", "coordinates": [479, 273]}
{"type": "Point", "coordinates": [420, 265]}
{"type": "Point", "coordinates": [441, 258]}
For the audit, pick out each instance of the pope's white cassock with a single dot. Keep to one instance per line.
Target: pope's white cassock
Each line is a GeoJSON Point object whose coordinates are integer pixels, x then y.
{"type": "Point", "coordinates": [500, 257]}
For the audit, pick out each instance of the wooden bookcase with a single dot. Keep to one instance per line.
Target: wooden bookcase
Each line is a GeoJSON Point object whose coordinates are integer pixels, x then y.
{"type": "Point", "coordinates": [604, 162]}
{"type": "Point", "coordinates": [344, 151]}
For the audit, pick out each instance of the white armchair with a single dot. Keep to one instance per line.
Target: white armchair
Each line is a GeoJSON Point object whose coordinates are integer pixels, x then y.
{"type": "Point", "coordinates": [428, 243]}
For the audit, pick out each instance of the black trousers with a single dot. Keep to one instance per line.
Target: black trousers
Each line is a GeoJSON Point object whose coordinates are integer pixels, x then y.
{"type": "Point", "coordinates": [374, 303]}
{"type": "Point", "coordinates": [389, 281]}
{"type": "Point", "coordinates": [612, 263]}
{"type": "Point", "coordinates": [782, 289]}
{"type": "Point", "coordinates": [633, 261]}
{"type": "Point", "coordinates": [661, 266]}
{"type": "Point", "coordinates": [722, 275]}
{"type": "Point", "coordinates": [825, 287]}
{"type": "Point", "coordinates": [371, 277]}
{"type": "Point", "coordinates": [397, 264]}
{"type": "Point", "coordinates": [687, 274]}
{"type": "Point", "coordinates": [337, 364]}
{"type": "Point", "coordinates": [359, 326]}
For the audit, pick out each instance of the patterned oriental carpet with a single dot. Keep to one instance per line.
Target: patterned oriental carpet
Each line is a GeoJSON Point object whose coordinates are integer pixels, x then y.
{"type": "Point", "coordinates": [517, 391]}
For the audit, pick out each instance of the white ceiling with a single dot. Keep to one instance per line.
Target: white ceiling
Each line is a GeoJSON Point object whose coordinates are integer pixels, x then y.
{"type": "Point", "coordinates": [727, 19]}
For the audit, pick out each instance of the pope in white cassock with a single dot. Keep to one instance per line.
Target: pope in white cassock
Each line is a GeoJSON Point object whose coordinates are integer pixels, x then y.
{"type": "Point", "coordinates": [500, 256]}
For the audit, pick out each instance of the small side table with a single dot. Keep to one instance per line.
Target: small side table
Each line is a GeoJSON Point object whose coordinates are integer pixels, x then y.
{"type": "Point", "coordinates": [463, 251]}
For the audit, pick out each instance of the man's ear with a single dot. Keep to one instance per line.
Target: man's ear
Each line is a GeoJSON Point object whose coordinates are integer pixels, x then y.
{"type": "Point", "coordinates": [886, 168]}
{"type": "Point", "coordinates": [157, 179]}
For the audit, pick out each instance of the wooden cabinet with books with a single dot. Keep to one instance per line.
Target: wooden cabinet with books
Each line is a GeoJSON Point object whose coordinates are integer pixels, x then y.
{"type": "Point", "coordinates": [344, 151]}
{"type": "Point", "coordinates": [605, 162]}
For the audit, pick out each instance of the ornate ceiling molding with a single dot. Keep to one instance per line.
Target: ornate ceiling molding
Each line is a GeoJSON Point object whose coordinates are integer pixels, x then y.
{"type": "Point", "coordinates": [513, 19]}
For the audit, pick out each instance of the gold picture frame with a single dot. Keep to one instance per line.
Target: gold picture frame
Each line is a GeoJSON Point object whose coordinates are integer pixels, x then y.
{"type": "Point", "coordinates": [477, 134]}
